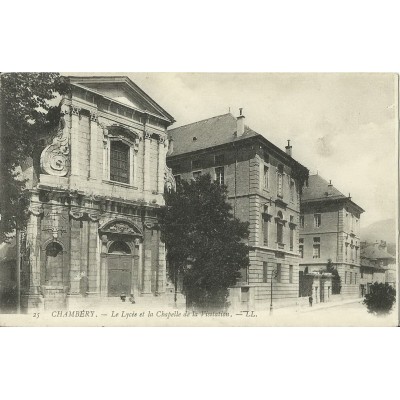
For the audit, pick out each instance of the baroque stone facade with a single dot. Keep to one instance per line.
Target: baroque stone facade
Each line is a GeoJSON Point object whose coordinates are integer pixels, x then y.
{"type": "Point", "coordinates": [93, 228]}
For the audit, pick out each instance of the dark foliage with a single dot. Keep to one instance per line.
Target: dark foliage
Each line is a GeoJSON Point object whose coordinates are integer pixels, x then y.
{"type": "Point", "coordinates": [336, 281]}
{"type": "Point", "coordinates": [27, 113]}
{"type": "Point", "coordinates": [381, 298]}
{"type": "Point", "coordinates": [204, 242]}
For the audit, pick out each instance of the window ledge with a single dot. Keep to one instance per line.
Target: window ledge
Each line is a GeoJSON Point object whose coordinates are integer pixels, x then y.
{"type": "Point", "coordinates": [115, 183]}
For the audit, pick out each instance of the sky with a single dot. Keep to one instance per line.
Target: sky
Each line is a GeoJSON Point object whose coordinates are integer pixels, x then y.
{"type": "Point", "coordinates": [341, 125]}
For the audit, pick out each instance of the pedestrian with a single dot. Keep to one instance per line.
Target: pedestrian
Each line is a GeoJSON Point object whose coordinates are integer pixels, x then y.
{"type": "Point", "coordinates": [310, 300]}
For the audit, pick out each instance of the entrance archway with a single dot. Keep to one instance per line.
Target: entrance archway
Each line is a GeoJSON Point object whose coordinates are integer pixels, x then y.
{"type": "Point", "coordinates": [119, 260]}
{"type": "Point", "coordinates": [120, 273]}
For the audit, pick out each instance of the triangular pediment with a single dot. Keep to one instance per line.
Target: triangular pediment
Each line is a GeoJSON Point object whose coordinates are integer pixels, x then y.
{"type": "Point", "coordinates": [122, 90]}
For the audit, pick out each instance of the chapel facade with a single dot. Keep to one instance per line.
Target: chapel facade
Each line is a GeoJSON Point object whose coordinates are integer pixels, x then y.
{"type": "Point", "coordinates": [95, 195]}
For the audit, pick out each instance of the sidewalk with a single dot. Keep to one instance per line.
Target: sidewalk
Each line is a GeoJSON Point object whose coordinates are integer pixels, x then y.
{"type": "Point", "coordinates": [331, 304]}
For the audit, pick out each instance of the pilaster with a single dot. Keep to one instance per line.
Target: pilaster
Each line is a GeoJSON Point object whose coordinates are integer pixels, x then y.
{"type": "Point", "coordinates": [75, 118]}
{"type": "Point", "coordinates": [146, 162]}
{"type": "Point", "coordinates": [161, 165]}
{"type": "Point", "coordinates": [147, 261]}
{"type": "Point", "coordinates": [94, 133]}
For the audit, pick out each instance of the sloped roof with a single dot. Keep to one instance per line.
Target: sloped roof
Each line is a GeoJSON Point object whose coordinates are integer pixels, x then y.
{"type": "Point", "coordinates": [375, 253]}
{"type": "Point", "coordinates": [207, 133]}
{"type": "Point", "coordinates": [123, 90]}
{"type": "Point", "coordinates": [366, 262]}
{"type": "Point", "coordinates": [319, 188]}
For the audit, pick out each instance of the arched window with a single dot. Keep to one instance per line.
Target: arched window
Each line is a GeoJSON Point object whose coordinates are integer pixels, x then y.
{"type": "Point", "coordinates": [119, 248]}
{"type": "Point", "coordinates": [119, 161]}
{"type": "Point", "coordinates": [54, 264]}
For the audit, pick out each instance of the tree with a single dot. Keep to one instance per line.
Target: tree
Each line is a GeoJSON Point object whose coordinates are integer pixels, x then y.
{"type": "Point", "coordinates": [336, 281]}
{"type": "Point", "coordinates": [26, 112]}
{"type": "Point", "coordinates": [381, 298]}
{"type": "Point", "coordinates": [204, 242]}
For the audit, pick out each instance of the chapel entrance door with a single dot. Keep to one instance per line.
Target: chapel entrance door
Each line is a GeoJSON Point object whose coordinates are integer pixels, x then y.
{"type": "Point", "coordinates": [119, 275]}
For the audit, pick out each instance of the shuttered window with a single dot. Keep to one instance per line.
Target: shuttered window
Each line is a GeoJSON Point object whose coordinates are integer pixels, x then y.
{"type": "Point", "coordinates": [119, 162]}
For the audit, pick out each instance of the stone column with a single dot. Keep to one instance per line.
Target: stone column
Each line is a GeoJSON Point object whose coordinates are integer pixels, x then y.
{"type": "Point", "coordinates": [32, 299]}
{"type": "Point", "coordinates": [75, 248]}
{"type": "Point", "coordinates": [162, 271]}
{"type": "Point", "coordinates": [103, 267]}
{"type": "Point", "coordinates": [147, 260]}
{"type": "Point", "coordinates": [93, 268]}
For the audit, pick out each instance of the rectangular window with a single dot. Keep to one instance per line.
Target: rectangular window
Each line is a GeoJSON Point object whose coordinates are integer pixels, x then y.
{"type": "Point", "coordinates": [291, 238]}
{"type": "Point", "coordinates": [177, 179]}
{"type": "Point", "coordinates": [355, 278]}
{"type": "Point", "coordinates": [345, 277]}
{"type": "Point", "coordinates": [119, 162]}
{"type": "Point", "coordinates": [290, 273]}
{"type": "Point", "coordinates": [220, 175]}
{"type": "Point", "coordinates": [279, 185]}
{"type": "Point", "coordinates": [219, 159]}
{"type": "Point", "coordinates": [301, 221]}
{"type": "Point", "coordinates": [266, 177]}
{"type": "Point", "coordinates": [265, 230]}
{"type": "Point", "coordinates": [278, 273]}
{"type": "Point", "coordinates": [301, 250]}
{"type": "Point", "coordinates": [279, 232]}
{"type": "Point", "coordinates": [292, 191]}
{"type": "Point", "coordinates": [265, 272]}
{"type": "Point", "coordinates": [316, 251]}
{"type": "Point", "coordinates": [196, 174]}
{"type": "Point", "coordinates": [317, 220]}
{"type": "Point", "coordinates": [196, 164]}
{"type": "Point", "coordinates": [351, 278]}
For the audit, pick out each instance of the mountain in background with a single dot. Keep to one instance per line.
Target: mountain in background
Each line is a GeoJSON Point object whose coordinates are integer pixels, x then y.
{"type": "Point", "coordinates": [380, 230]}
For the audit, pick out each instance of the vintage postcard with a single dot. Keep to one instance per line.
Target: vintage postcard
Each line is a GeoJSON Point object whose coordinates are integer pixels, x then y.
{"type": "Point", "coordinates": [198, 199]}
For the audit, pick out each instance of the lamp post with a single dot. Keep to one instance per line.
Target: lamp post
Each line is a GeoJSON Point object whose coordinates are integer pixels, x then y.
{"type": "Point", "coordinates": [273, 276]}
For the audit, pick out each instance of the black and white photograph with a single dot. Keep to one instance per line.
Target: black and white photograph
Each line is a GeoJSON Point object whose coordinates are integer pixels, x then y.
{"type": "Point", "coordinates": [198, 199]}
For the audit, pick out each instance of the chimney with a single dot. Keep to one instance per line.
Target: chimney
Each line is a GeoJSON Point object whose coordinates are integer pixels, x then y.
{"type": "Point", "coordinates": [288, 148]}
{"type": "Point", "coordinates": [240, 123]}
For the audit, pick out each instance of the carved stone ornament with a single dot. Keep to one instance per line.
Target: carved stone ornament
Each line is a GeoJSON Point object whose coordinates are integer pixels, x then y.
{"type": "Point", "coordinates": [150, 225]}
{"type": "Point", "coordinates": [94, 216]}
{"type": "Point", "coordinates": [36, 209]}
{"type": "Point", "coordinates": [76, 213]}
{"type": "Point", "coordinates": [121, 228]}
{"type": "Point", "coordinates": [75, 110]}
{"type": "Point", "coordinates": [169, 180]}
{"type": "Point", "coordinates": [136, 144]}
{"type": "Point", "coordinates": [147, 135]}
{"type": "Point", "coordinates": [94, 116]}
{"type": "Point", "coordinates": [55, 159]}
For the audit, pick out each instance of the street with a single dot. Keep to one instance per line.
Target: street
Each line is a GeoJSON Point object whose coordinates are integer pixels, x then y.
{"type": "Point", "coordinates": [348, 314]}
